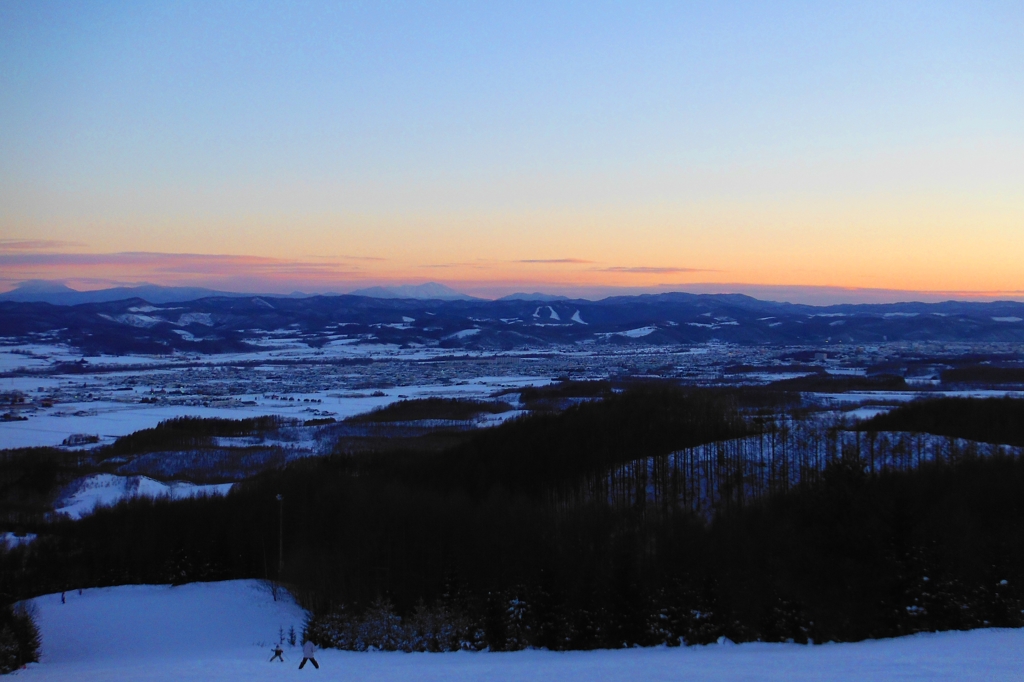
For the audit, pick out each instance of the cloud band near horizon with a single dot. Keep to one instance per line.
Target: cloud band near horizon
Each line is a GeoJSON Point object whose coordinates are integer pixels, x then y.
{"type": "Point", "coordinates": [339, 274]}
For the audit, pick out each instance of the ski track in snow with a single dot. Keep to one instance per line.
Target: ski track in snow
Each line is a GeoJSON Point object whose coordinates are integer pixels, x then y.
{"type": "Point", "coordinates": [222, 632]}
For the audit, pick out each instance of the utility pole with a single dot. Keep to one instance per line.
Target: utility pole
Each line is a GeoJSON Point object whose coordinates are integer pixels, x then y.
{"type": "Point", "coordinates": [280, 535]}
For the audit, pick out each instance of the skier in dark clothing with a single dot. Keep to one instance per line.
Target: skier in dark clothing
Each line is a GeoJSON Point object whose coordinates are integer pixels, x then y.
{"type": "Point", "coordinates": [308, 649]}
{"type": "Point", "coordinates": [277, 653]}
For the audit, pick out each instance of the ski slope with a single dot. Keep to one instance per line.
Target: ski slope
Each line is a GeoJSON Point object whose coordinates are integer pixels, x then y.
{"type": "Point", "coordinates": [222, 632]}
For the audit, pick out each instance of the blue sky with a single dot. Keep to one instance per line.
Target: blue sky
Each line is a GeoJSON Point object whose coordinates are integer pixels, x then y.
{"type": "Point", "coordinates": [469, 136]}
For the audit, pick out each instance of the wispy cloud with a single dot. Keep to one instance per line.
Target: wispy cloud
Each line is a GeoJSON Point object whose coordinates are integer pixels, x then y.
{"type": "Point", "coordinates": [29, 245]}
{"type": "Point", "coordinates": [348, 257]}
{"type": "Point", "coordinates": [554, 260]}
{"type": "Point", "coordinates": [476, 265]}
{"type": "Point", "coordinates": [647, 270]}
{"type": "Point", "coordinates": [167, 268]}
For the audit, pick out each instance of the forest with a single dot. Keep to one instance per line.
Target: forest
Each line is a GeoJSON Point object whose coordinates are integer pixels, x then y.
{"type": "Point", "coordinates": [658, 515]}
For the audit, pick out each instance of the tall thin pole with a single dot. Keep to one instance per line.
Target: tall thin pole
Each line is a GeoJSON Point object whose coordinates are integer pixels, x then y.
{"type": "Point", "coordinates": [280, 535]}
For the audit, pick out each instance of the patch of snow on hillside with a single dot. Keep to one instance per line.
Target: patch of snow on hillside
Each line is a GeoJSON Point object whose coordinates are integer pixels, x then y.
{"type": "Point", "coordinates": [576, 318]}
{"type": "Point", "coordinates": [134, 320]}
{"type": "Point", "coordinates": [1006, 319]}
{"type": "Point", "coordinates": [554, 315]}
{"type": "Point", "coordinates": [103, 490]}
{"type": "Point", "coordinates": [638, 333]}
{"type": "Point", "coordinates": [196, 318]}
{"type": "Point", "coordinates": [464, 333]}
{"type": "Point", "coordinates": [892, 315]}
{"type": "Point", "coordinates": [12, 540]}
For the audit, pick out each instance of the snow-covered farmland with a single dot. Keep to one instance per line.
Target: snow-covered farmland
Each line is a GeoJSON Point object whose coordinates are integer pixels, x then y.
{"type": "Point", "coordinates": [222, 632]}
{"type": "Point", "coordinates": [109, 419]}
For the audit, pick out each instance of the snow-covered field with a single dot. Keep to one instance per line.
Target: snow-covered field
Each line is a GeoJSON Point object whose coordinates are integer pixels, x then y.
{"type": "Point", "coordinates": [222, 632]}
{"type": "Point", "coordinates": [109, 419]}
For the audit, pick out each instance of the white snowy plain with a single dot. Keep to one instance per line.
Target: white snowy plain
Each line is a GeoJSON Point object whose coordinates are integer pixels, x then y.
{"type": "Point", "coordinates": [222, 632]}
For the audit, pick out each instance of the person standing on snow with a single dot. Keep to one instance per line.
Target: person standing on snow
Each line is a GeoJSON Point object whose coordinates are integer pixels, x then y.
{"type": "Point", "coordinates": [308, 649]}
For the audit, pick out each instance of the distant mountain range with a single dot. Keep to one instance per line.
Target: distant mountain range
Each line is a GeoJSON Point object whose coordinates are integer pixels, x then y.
{"type": "Point", "coordinates": [428, 291]}
{"type": "Point", "coordinates": [57, 293]}
{"type": "Point", "coordinates": [535, 296]}
{"type": "Point", "coordinates": [238, 322]}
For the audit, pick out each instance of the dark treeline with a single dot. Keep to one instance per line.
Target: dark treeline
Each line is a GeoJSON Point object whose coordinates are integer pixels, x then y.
{"type": "Point", "coordinates": [561, 393]}
{"type": "Point", "coordinates": [449, 409]}
{"type": "Point", "coordinates": [482, 545]}
{"type": "Point", "coordinates": [984, 374]}
{"type": "Point", "coordinates": [182, 433]}
{"type": "Point", "coordinates": [548, 450]}
{"type": "Point", "coordinates": [29, 478]}
{"type": "Point", "coordinates": [827, 383]}
{"type": "Point", "coordinates": [992, 420]}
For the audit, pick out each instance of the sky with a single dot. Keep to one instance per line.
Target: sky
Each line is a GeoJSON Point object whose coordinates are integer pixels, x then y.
{"type": "Point", "coordinates": [833, 150]}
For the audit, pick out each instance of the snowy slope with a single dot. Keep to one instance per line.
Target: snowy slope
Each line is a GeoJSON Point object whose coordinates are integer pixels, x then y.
{"type": "Point", "coordinates": [102, 490]}
{"type": "Point", "coordinates": [221, 632]}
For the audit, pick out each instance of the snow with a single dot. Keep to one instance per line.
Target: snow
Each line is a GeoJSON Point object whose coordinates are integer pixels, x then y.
{"type": "Point", "coordinates": [576, 318]}
{"type": "Point", "coordinates": [109, 419]}
{"type": "Point", "coordinates": [465, 333]}
{"type": "Point", "coordinates": [222, 632]}
{"type": "Point", "coordinates": [12, 540]}
{"type": "Point", "coordinates": [1007, 319]}
{"type": "Point", "coordinates": [135, 320]}
{"type": "Point", "coordinates": [195, 318]}
{"type": "Point", "coordinates": [642, 331]}
{"type": "Point", "coordinates": [85, 494]}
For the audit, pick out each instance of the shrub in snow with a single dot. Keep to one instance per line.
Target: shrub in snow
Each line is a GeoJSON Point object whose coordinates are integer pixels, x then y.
{"type": "Point", "coordinates": [434, 628]}
{"type": "Point", "coordinates": [19, 638]}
